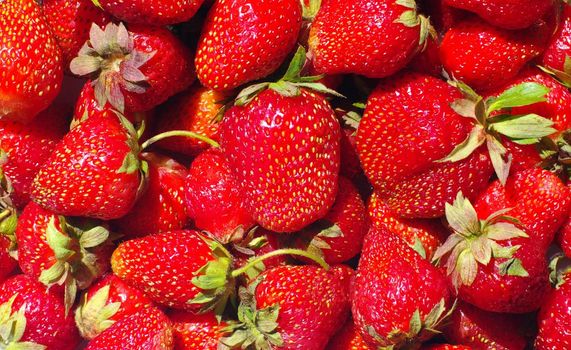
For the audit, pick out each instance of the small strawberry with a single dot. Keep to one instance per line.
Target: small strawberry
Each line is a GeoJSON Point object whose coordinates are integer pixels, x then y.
{"type": "Point", "coordinates": [105, 303]}
{"type": "Point", "coordinates": [345, 36]}
{"type": "Point", "coordinates": [162, 206]}
{"type": "Point", "coordinates": [32, 74]}
{"type": "Point", "coordinates": [213, 198]}
{"type": "Point", "coordinates": [517, 14]}
{"type": "Point", "coordinates": [136, 69]}
{"type": "Point", "coordinates": [152, 12]}
{"type": "Point", "coordinates": [94, 171]}
{"type": "Point", "coordinates": [289, 307]}
{"type": "Point", "coordinates": [34, 317]}
{"type": "Point", "coordinates": [59, 251]}
{"type": "Point", "coordinates": [486, 57]}
{"type": "Point", "coordinates": [554, 318]}
{"type": "Point", "coordinates": [195, 110]}
{"type": "Point", "coordinates": [146, 329]}
{"type": "Point", "coordinates": [392, 275]}
{"type": "Point", "coordinates": [245, 40]}
{"type": "Point", "coordinates": [557, 56]}
{"type": "Point", "coordinates": [196, 332]}
{"type": "Point", "coordinates": [348, 338]}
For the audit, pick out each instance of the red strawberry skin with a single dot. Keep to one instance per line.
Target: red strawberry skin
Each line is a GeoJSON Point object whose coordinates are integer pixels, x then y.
{"type": "Point", "coordinates": [162, 207]}
{"type": "Point", "coordinates": [446, 347]}
{"type": "Point", "coordinates": [554, 319]}
{"type": "Point", "coordinates": [345, 38]}
{"type": "Point", "coordinates": [45, 313]}
{"type": "Point", "coordinates": [192, 332]}
{"type": "Point", "coordinates": [245, 40]}
{"type": "Point", "coordinates": [213, 197]}
{"type": "Point", "coordinates": [31, 79]}
{"type": "Point", "coordinates": [564, 238]}
{"type": "Point", "coordinates": [28, 147]}
{"type": "Point", "coordinates": [486, 57]}
{"type": "Point", "coordinates": [348, 338]}
{"type": "Point", "coordinates": [418, 128]}
{"type": "Point", "coordinates": [559, 47]}
{"type": "Point", "coordinates": [7, 263]}
{"type": "Point", "coordinates": [154, 12]}
{"type": "Point", "coordinates": [516, 14]}
{"type": "Point", "coordinates": [147, 329]}
{"type": "Point", "coordinates": [81, 177]}
{"type": "Point", "coordinates": [284, 152]}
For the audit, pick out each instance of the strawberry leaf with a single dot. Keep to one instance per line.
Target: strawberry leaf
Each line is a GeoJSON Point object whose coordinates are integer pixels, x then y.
{"type": "Point", "coordinates": [520, 95]}
{"type": "Point", "coordinates": [528, 126]}
{"type": "Point", "coordinates": [475, 139]}
{"type": "Point", "coordinates": [513, 267]}
{"type": "Point", "coordinates": [501, 160]}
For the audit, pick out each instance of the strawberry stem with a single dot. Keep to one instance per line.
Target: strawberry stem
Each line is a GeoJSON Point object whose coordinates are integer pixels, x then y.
{"type": "Point", "coordinates": [183, 133]}
{"type": "Point", "coordinates": [5, 214]}
{"type": "Point", "coordinates": [278, 252]}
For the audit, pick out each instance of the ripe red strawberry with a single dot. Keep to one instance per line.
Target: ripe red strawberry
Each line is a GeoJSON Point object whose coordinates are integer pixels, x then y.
{"type": "Point", "coordinates": [516, 14]}
{"type": "Point", "coordinates": [70, 21]}
{"type": "Point", "coordinates": [33, 314]}
{"type": "Point", "coordinates": [554, 319]}
{"type": "Point", "coordinates": [195, 110]}
{"type": "Point", "coordinates": [480, 329]}
{"type": "Point", "coordinates": [390, 274]}
{"type": "Point", "coordinates": [564, 236]}
{"type": "Point", "coordinates": [32, 75]}
{"type": "Point", "coordinates": [27, 147]}
{"type": "Point", "coordinates": [162, 206]}
{"type": "Point", "coordinates": [152, 12]}
{"type": "Point", "coordinates": [134, 70]}
{"type": "Point", "coordinates": [417, 233]}
{"type": "Point", "coordinates": [487, 57]}
{"type": "Point", "coordinates": [556, 55]}
{"type": "Point", "coordinates": [105, 303]}
{"type": "Point", "coordinates": [339, 235]}
{"type": "Point", "coordinates": [245, 40]}
{"type": "Point", "coordinates": [348, 338]}
{"type": "Point", "coordinates": [213, 198]}
{"type": "Point", "coordinates": [94, 171]}
{"type": "Point", "coordinates": [419, 128]}
{"type": "Point", "coordinates": [59, 251]}
{"type": "Point", "coordinates": [147, 329]}
{"type": "Point", "coordinates": [345, 36]}
{"type": "Point", "coordinates": [196, 332]}
{"type": "Point", "coordinates": [290, 307]}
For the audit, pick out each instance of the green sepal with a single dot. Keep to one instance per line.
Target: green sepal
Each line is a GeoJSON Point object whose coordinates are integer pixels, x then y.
{"type": "Point", "coordinates": [419, 248]}
{"type": "Point", "coordinates": [93, 315]}
{"type": "Point", "coordinates": [13, 326]}
{"type": "Point", "coordinates": [512, 267]}
{"type": "Point", "coordinates": [501, 159]}
{"type": "Point", "coordinates": [522, 127]}
{"type": "Point", "coordinates": [310, 10]}
{"type": "Point", "coordinates": [559, 268]}
{"type": "Point", "coordinates": [524, 94]}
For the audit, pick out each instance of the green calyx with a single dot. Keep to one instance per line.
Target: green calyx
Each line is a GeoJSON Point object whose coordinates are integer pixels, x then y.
{"type": "Point", "coordinates": [476, 241]}
{"type": "Point", "coordinates": [93, 315]}
{"type": "Point", "coordinates": [317, 243]}
{"type": "Point", "coordinates": [110, 59]}
{"type": "Point", "coordinates": [493, 122]}
{"type": "Point", "coordinates": [563, 76]}
{"type": "Point", "coordinates": [559, 268]}
{"type": "Point", "coordinates": [13, 326]}
{"type": "Point", "coordinates": [556, 155]}
{"type": "Point", "coordinates": [411, 18]}
{"type": "Point", "coordinates": [289, 85]}
{"type": "Point", "coordinates": [76, 263]}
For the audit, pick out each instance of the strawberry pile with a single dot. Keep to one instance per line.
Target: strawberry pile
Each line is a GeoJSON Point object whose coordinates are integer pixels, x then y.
{"type": "Point", "coordinates": [285, 174]}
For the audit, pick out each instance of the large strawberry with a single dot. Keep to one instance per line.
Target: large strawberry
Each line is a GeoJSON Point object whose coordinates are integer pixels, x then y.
{"type": "Point", "coordinates": [34, 317]}
{"type": "Point", "coordinates": [136, 69]}
{"type": "Point", "coordinates": [283, 146]}
{"type": "Point", "coordinates": [94, 171]}
{"type": "Point", "coordinates": [152, 12]}
{"type": "Point", "coordinates": [31, 61]}
{"type": "Point", "coordinates": [290, 307]}
{"type": "Point", "coordinates": [245, 40]}
{"type": "Point", "coordinates": [516, 14]}
{"type": "Point", "coordinates": [554, 319]}
{"type": "Point", "coordinates": [346, 36]}
{"type": "Point", "coordinates": [196, 332]}
{"type": "Point", "coordinates": [392, 275]}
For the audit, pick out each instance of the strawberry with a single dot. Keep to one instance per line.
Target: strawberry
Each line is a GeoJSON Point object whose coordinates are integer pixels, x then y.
{"type": "Point", "coordinates": [105, 303]}
{"type": "Point", "coordinates": [245, 40]}
{"type": "Point", "coordinates": [491, 261]}
{"type": "Point", "coordinates": [70, 21]}
{"type": "Point", "coordinates": [213, 198]}
{"type": "Point", "coordinates": [419, 128]}
{"type": "Point", "coordinates": [196, 332]}
{"type": "Point", "coordinates": [27, 147]}
{"type": "Point", "coordinates": [424, 235]}
{"type": "Point", "coordinates": [32, 75]}
{"type": "Point", "coordinates": [290, 307]}
{"type": "Point", "coordinates": [390, 274]}
{"type": "Point", "coordinates": [152, 12]}
{"type": "Point", "coordinates": [292, 136]}
{"type": "Point", "coordinates": [62, 252]}
{"type": "Point", "coordinates": [480, 329]}
{"type": "Point", "coordinates": [257, 243]}
{"type": "Point", "coordinates": [339, 235]}
{"type": "Point", "coordinates": [147, 329]}
{"type": "Point", "coordinates": [136, 69]}
{"type": "Point", "coordinates": [195, 110]}
{"type": "Point", "coordinates": [348, 338]}
{"type": "Point", "coordinates": [556, 56]}
{"type": "Point", "coordinates": [7, 262]}
{"type": "Point", "coordinates": [516, 14]}
{"type": "Point", "coordinates": [34, 316]}
{"type": "Point", "coordinates": [486, 57]}
{"type": "Point", "coordinates": [162, 206]}
{"type": "Point", "coordinates": [345, 36]}
{"type": "Point", "coordinates": [554, 319]}
{"type": "Point", "coordinates": [564, 236]}
{"type": "Point", "coordinates": [94, 171]}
